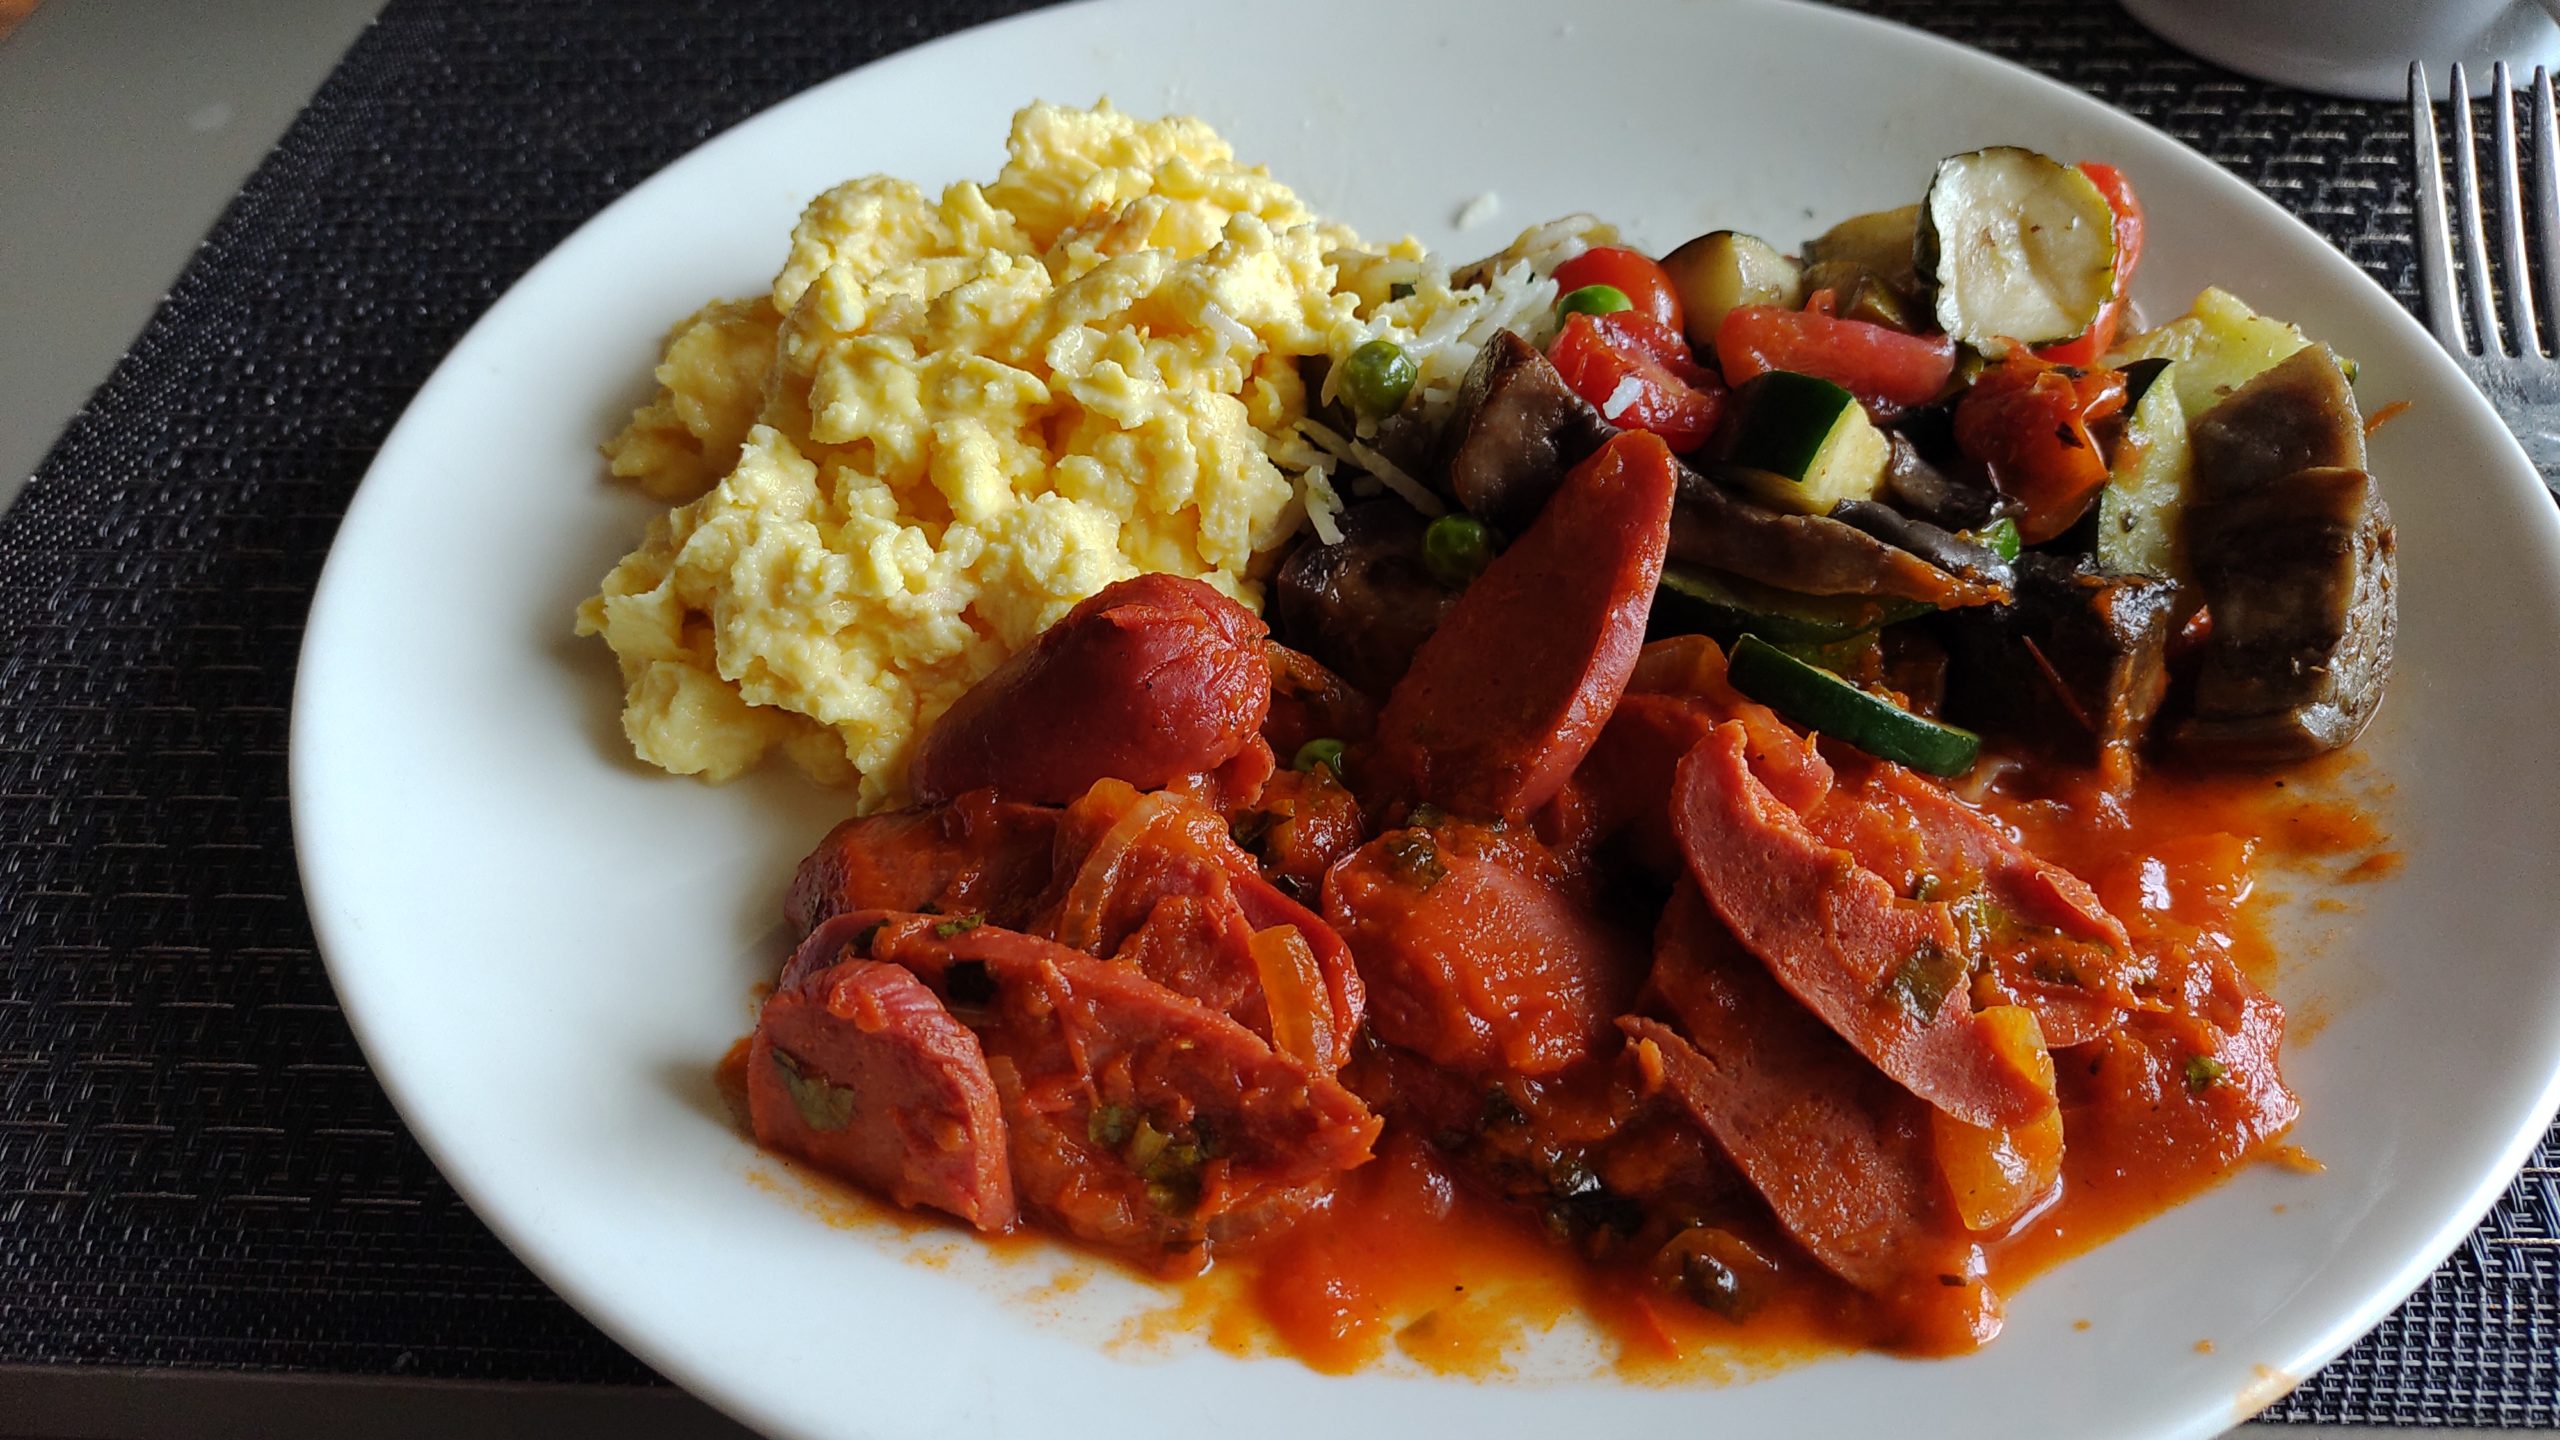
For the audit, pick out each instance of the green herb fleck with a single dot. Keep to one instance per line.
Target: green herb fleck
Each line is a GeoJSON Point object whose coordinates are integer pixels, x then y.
{"type": "Point", "coordinates": [1109, 1125]}
{"type": "Point", "coordinates": [959, 925]}
{"type": "Point", "coordinates": [1924, 980]}
{"type": "Point", "coordinates": [823, 1105]}
{"type": "Point", "coordinates": [1413, 859]}
{"type": "Point", "coordinates": [1248, 828]}
{"type": "Point", "coordinates": [2203, 1073]}
{"type": "Point", "coordinates": [2000, 537]}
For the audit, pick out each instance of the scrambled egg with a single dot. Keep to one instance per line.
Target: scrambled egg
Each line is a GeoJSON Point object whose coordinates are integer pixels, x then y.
{"type": "Point", "coordinates": [954, 417]}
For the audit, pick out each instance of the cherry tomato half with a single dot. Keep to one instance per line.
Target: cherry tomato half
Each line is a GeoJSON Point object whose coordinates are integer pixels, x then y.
{"type": "Point", "coordinates": [1886, 369]}
{"type": "Point", "coordinates": [1637, 373]}
{"type": "Point", "coordinates": [2028, 419]}
{"type": "Point", "coordinates": [1631, 272]}
{"type": "Point", "coordinates": [2102, 332]}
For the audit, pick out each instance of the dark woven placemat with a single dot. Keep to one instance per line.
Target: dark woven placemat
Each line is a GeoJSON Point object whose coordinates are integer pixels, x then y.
{"type": "Point", "coordinates": [195, 1166]}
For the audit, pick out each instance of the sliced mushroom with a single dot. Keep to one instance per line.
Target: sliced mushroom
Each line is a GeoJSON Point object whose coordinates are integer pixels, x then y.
{"type": "Point", "coordinates": [1364, 606]}
{"type": "Point", "coordinates": [2300, 575]}
{"type": "Point", "coordinates": [2295, 555]}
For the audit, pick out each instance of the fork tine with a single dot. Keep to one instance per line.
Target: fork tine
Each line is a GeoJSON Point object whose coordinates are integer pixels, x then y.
{"type": "Point", "coordinates": [2475, 244]}
{"type": "Point", "coordinates": [2435, 230]}
{"type": "Point", "coordinates": [2520, 326]}
{"type": "Point", "coordinates": [2546, 191]}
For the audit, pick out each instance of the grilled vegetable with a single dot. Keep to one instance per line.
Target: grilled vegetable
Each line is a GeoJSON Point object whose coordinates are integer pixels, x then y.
{"type": "Point", "coordinates": [2112, 183]}
{"type": "Point", "coordinates": [2294, 551]}
{"type": "Point", "coordinates": [1716, 272]}
{"type": "Point", "coordinates": [1695, 600]}
{"type": "Point", "coordinates": [2075, 665]}
{"type": "Point", "coordinates": [1804, 444]}
{"type": "Point", "coordinates": [1973, 559]}
{"type": "Point", "coordinates": [2017, 246]}
{"type": "Point", "coordinates": [1859, 293]}
{"type": "Point", "coordinates": [1886, 369]}
{"type": "Point", "coordinates": [1630, 273]}
{"type": "Point", "coordinates": [1882, 243]}
{"type": "Point", "coordinates": [1637, 373]}
{"type": "Point", "coordinates": [2220, 345]}
{"type": "Point", "coordinates": [2029, 422]}
{"type": "Point", "coordinates": [1821, 701]}
{"type": "Point", "coordinates": [2139, 512]}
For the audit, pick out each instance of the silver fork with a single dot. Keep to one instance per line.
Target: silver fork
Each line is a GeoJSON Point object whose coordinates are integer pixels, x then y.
{"type": "Point", "coordinates": [2522, 383]}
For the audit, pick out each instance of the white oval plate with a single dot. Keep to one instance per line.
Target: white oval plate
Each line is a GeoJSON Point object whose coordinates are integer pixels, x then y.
{"type": "Point", "coordinates": [544, 948]}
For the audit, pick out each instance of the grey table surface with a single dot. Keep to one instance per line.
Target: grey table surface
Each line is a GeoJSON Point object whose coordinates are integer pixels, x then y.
{"type": "Point", "coordinates": [126, 125]}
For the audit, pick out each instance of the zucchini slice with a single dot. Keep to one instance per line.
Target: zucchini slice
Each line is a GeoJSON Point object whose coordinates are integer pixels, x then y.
{"type": "Point", "coordinates": [1801, 443]}
{"type": "Point", "coordinates": [1694, 600]}
{"type": "Point", "coordinates": [1823, 702]}
{"type": "Point", "coordinates": [2220, 345]}
{"type": "Point", "coordinates": [2018, 246]}
{"type": "Point", "coordinates": [2138, 512]}
{"type": "Point", "coordinates": [1718, 271]}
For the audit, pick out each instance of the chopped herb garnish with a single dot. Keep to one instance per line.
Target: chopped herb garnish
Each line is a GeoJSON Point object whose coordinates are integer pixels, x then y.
{"type": "Point", "coordinates": [1426, 815]}
{"type": "Point", "coordinates": [1109, 1125]}
{"type": "Point", "coordinates": [2203, 1073]}
{"type": "Point", "coordinates": [1248, 828]}
{"type": "Point", "coordinates": [1923, 981]}
{"type": "Point", "coordinates": [959, 925]}
{"type": "Point", "coordinates": [1170, 1166]}
{"type": "Point", "coordinates": [968, 982]}
{"type": "Point", "coordinates": [823, 1105]}
{"type": "Point", "coordinates": [1501, 1109]}
{"type": "Point", "coordinates": [1414, 859]}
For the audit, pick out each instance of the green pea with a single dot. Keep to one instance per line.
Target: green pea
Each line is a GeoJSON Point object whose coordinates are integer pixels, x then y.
{"type": "Point", "coordinates": [1326, 752]}
{"type": "Point", "coordinates": [1378, 376]}
{"type": "Point", "coordinates": [1456, 548]}
{"type": "Point", "coordinates": [1594, 300]}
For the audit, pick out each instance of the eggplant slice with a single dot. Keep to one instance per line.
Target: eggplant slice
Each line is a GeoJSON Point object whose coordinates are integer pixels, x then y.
{"type": "Point", "coordinates": [2075, 666]}
{"type": "Point", "coordinates": [1519, 427]}
{"type": "Point", "coordinates": [2294, 551]}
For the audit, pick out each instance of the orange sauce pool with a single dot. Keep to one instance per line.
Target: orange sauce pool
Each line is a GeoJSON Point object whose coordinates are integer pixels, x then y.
{"type": "Point", "coordinates": [1410, 1264]}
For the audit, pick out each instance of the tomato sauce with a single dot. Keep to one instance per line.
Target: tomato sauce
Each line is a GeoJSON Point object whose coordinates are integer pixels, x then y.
{"type": "Point", "coordinates": [1409, 1261]}
{"type": "Point", "coordinates": [1412, 1259]}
